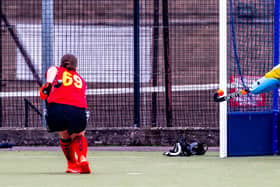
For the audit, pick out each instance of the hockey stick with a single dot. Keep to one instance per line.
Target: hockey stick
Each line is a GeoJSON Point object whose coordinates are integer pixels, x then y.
{"type": "Point", "coordinates": [218, 96]}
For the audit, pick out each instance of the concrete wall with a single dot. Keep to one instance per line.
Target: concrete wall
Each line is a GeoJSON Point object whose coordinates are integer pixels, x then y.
{"type": "Point", "coordinates": [114, 136]}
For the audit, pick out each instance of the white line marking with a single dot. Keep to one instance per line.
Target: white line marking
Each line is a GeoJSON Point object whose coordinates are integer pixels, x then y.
{"type": "Point", "coordinates": [134, 173]}
{"type": "Point", "coordinates": [107, 91]}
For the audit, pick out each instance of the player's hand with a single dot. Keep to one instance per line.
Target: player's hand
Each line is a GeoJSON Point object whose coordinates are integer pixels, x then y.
{"type": "Point", "coordinates": [45, 90]}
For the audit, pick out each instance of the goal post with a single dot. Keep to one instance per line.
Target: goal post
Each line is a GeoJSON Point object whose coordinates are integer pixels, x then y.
{"type": "Point", "coordinates": [223, 75]}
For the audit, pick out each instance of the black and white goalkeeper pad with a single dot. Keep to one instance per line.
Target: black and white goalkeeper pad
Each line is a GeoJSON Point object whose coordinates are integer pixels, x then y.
{"type": "Point", "coordinates": [182, 148]}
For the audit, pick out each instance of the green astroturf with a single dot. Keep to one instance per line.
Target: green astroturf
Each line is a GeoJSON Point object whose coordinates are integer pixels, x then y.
{"type": "Point", "coordinates": [138, 169]}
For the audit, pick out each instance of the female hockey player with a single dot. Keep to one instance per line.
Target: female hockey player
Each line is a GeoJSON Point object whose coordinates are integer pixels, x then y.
{"type": "Point", "coordinates": [64, 91]}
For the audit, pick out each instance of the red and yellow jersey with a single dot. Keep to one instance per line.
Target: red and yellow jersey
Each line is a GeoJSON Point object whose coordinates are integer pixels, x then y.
{"type": "Point", "coordinates": [68, 88]}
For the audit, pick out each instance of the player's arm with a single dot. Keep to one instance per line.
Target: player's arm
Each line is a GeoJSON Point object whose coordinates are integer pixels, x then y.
{"type": "Point", "coordinates": [268, 82]}
{"type": "Point", "coordinates": [50, 77]}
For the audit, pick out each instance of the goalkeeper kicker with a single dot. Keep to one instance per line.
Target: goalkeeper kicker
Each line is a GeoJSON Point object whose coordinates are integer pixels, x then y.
{"type": "Point", "coordinates": [268, 82]}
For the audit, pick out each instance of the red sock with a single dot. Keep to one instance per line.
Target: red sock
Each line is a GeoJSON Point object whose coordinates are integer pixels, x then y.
{"type": "Point", "coordinates": [68, 150]}
{"type": "Point", "coordinates": [81, 146]}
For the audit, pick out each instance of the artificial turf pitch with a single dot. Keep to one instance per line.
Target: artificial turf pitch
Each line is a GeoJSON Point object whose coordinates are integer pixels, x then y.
{"type": "Point", "coordinates": [138, 169]}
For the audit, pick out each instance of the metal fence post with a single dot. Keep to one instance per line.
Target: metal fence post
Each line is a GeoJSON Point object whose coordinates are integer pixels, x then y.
{"type": "Point", "coordinates": [47, 42]}
{"type": "Point", "coordinates": [167, 63]}
{"type": "Point", "coordinates": [136, 65]}
{"type": "Point", "coordinates": [155, 60]}
{"type": "Point", "coordinates": [1, 62]}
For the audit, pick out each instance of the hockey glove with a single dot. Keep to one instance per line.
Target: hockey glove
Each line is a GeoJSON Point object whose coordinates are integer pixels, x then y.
{"type": "Point", "coordinates": [45, 90]}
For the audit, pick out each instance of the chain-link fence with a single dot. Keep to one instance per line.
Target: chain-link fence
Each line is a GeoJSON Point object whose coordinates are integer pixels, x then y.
{"type": "Point", "coordinates": [171, 83]}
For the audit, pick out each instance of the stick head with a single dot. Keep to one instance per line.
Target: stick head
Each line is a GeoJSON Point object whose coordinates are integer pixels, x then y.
{"type": "Point", "coordinates": [243, 92]}
{"type": "Point", "coordinates": [220, 92]}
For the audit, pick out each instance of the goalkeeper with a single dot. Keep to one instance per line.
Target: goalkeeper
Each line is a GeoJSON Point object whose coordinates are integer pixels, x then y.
{"type": "Point", "coordinates": [67, 111]}
{"type": "Point", "coordinates": [268, 82]}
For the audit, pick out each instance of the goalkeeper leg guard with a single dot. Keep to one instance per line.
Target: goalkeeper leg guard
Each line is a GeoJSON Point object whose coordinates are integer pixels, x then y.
{"type": "Point", "coordinates": [198, 148]}
{"type": "Point", "coordinates": [181, 148]}
{"type": "Point", "coordinates": [176, 151]}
